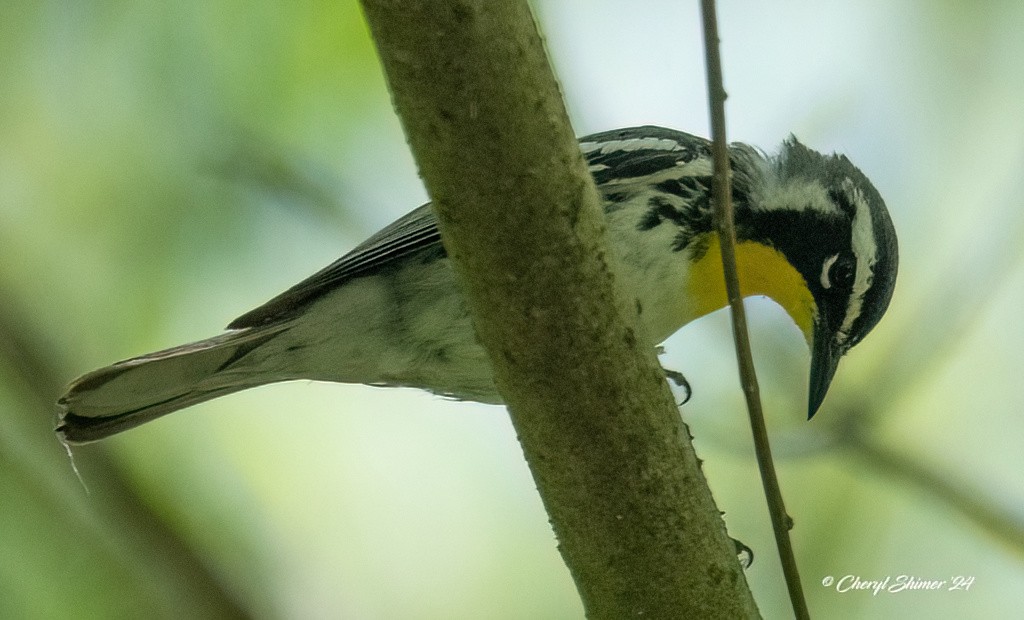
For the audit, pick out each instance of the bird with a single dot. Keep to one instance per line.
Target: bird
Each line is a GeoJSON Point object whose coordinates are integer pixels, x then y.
{"type": "Point", "coordinates": [812, 233]}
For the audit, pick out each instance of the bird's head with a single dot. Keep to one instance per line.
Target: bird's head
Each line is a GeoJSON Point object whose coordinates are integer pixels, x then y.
{"type": "Point", "coordinates": [812, 233]}
{"type": "Point", "coordinates": [831, 225]}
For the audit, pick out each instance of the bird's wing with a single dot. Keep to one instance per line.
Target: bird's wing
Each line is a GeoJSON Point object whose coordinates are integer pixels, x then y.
{"type": "Point", "coordinates": [613, 156]}
{"type": "Point", "coordinates": [412, 233]}
{"type": "Point", "coordinates": [621, 155]}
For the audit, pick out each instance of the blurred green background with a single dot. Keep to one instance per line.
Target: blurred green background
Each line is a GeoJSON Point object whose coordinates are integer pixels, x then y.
{"type": "Point", "coordinates": [164, 167]}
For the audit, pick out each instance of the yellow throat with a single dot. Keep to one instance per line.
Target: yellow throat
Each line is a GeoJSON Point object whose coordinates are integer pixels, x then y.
{"type": "Point", "coordinates": [762, 271]}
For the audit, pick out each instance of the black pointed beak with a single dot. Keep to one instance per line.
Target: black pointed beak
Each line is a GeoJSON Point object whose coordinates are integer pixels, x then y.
{"type": "Point", "coordinates": [825, 356]}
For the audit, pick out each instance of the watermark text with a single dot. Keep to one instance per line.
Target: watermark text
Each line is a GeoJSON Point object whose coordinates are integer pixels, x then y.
{"type": "Point", "coordinates": [893, 584]}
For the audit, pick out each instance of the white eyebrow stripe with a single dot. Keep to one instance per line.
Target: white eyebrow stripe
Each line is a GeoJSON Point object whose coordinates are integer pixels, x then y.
{"type": "Point", "coordinates": [862, 240]}
{"type": "Point", "coordinates": [796, 194]}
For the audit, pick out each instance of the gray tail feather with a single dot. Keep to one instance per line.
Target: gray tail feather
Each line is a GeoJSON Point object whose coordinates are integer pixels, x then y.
{"type": "Point", "coordinates": [129, 393]}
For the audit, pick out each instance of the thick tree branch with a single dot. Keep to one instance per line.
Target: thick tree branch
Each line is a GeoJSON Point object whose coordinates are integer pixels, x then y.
{"type": "Point", "coordinates": [522, 223]}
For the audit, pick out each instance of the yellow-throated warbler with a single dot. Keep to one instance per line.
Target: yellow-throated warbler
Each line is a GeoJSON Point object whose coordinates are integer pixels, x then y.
{"type": "Point", "coordinates": [813, 234]}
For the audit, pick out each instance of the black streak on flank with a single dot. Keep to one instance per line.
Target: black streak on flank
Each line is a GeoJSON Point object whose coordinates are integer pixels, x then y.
{"type": "Point", "coordinates": [659, 209]}
{"type": "Point", "coordinates": [692, 220]}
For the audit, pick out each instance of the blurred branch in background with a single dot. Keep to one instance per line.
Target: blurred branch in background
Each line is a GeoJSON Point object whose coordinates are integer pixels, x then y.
{"type": "Point", "coordinates": [966, 283]}
{"type": "Point", "coordinates": [995, 520]}
{"type": "Point", "coordinates": [112, 543]}
{"type": "Point", "coordinates": [255, 163]}
{"type": "Point", "coordinates": [918, 352]}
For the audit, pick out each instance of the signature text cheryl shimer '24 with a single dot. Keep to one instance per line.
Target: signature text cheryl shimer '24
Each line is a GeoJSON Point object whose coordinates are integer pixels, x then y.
{"type": "Point", "coordinates": [899, 583]}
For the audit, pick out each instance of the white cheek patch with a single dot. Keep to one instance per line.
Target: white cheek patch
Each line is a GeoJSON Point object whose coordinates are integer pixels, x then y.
{"type": "Point", "coordinates": [825, 283]}
{"type": "Point", "coordinates": [862, 241]}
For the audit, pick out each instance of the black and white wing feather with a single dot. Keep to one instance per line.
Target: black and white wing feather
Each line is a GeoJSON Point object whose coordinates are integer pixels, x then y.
{"type": "Point", "coordinates": [618, 156]}
{"type": "Point", "coordinates": [625, 155]}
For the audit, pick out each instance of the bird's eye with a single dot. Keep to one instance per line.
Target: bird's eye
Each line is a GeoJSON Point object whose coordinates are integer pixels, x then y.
{"type": "Point", "coordinates": [837, 270]}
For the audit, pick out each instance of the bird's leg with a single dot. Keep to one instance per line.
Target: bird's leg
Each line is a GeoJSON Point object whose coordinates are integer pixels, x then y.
{"type": "Point", "coordinates": [680, 381]}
